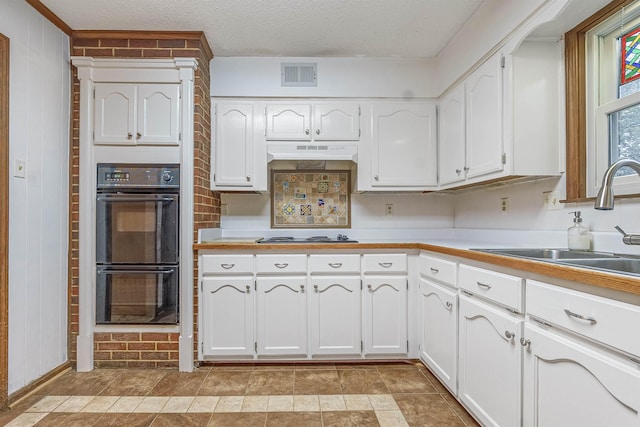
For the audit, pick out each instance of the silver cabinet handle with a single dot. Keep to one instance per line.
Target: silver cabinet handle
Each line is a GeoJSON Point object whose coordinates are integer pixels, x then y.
{"type": "Point", "coordinates": [580, 316]}
{"type": "Point", "coordinates": [509, 334]}
{"type": "Point", "coordinates": [248, 288]}
{"type": "Point", "coordinates": [369, 287]}
{"type": "Point", "coordinates": [129, 135]}
{"type": "Point", "coordinates": [466, 168]}
{"type": "Point", "coordinates": [483, 285]}
{"type": "Point", "coordinates": [335, 264]}
{"type": "Point", "coordinates": [306, 132]}
{"type": "Point", "coordinates": [316, 288]}
{"type": "Point", "coordinates": [138, 135]}
{"type": "Point", "coordinates": [248, 178]}
{"type": "Point", "coordinates": [302, 288]}
{"type": "Point", "coordinates": [282, 265]}
{"type": "Point", "coordinates": [317, 131]}
{"type": "Point", "coordinates": [449, 305]}
{"type": "Point", "coordinates": [524, 342]}
{"type": "Point", "coordinates": [227, 266]}
{"type": "Point", "coordinates": [434, 270]}
{"type": "Point", "coordinates": [385, 264]}
{"type": "Point", "coordinates": [458, 171]}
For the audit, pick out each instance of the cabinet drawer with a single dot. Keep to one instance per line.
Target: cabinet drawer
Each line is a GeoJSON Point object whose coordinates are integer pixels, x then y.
{"type": "Point", "coordinates": [384, 263]}
{"type": "Point", "coordinates": [281, 263]}
{"type": "Point", "coordinates": [227, 264]}
{"type": "Point", "coordinates": [498, 287]}
{"type": "Point", "coordinates": [330, 263]}
{"type": "Point", "coordinates": [438, 269]}
{"type": "Point", "coordinates": [611, 322]}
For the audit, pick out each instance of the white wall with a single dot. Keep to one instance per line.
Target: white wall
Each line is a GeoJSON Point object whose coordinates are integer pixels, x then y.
{"type": "Point", "coordinates": [480, 208]}
{"type": "Point", "coordinates": [38, 204]}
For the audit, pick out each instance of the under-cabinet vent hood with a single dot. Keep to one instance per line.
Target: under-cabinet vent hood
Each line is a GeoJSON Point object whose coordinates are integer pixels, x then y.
{"type": "Point", "coordinates": [294, 151]}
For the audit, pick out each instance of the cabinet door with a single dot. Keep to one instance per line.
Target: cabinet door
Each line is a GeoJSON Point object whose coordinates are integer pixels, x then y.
{"type": "Point", "coordinates": [227, 310]}
{"type": "Point", "coordinates": [289, 122]}
{"type": "Point", "coordinates": [282, 315]}
{"type": "Point", "coordinates": [404, 152]}
{"type": "Point", "coordinates": [334, 305]}
{"type": "Point", "coordinates": [115, 114]}
{"type": "Point", "coordinates": [484, 119]}
{"type": "Point", "coordinates": [439, 327]}
{"type": "Point", "coordinates": [385, 315]}
{"type": "Point", "coordinates": [566, 383]}
{"type": "Point", "coordinates": [451, 138]}
{"type": "Point", "coordinates": [490, 363]}
{"type": "Point", "coordinates": [158, 121]}
{"type": "Point", "coordinates": [233, 152]}
{"type": "Point", "coordinates": [336, 122]}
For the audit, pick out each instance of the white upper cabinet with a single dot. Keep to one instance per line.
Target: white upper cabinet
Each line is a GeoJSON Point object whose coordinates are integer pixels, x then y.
{"type": "Point", "coordinates": [130, 114]}
{"type": "Point", "coordinates": [403, 152]}
{"type": "Point", "coordinates": [238, 149]}
{"type": "Point", "coordinates": [233, 154]}
{"type": "Point", "coordinates": [339, 121]}
{"type": "Point", "coordinates": [483, 90]}
{"type": "Point", "coordinates": [452, 165]}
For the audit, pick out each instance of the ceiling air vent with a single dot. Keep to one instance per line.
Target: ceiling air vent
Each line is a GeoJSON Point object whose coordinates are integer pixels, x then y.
{"type": "Point", "coordinates": [295, 74]}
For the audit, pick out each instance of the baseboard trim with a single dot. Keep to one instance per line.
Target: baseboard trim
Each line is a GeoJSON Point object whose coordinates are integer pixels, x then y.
{"type": "Point", "coordinates": [33, 386]}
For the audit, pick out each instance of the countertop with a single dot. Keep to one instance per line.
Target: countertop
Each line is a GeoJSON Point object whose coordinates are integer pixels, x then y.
{"type": "Point", "coordinates": [619, 282]}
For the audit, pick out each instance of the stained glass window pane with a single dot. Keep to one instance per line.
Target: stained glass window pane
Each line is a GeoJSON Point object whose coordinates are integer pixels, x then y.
{"type": "Point", "coordinates": [630, 56]}
{"type": "Point", "coordinates": [625, 136]}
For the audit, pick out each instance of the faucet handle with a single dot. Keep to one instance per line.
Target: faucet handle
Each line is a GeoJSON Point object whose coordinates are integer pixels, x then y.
{"type": "Point", "coordinates": [621, 231]}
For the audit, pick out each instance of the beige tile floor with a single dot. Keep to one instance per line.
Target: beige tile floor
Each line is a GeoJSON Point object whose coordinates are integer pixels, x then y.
{"type": "Point", "coordinates": [389, 394]}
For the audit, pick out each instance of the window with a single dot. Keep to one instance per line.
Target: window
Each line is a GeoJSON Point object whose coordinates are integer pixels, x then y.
{"type": "Point", "coordinates": [603, 98]}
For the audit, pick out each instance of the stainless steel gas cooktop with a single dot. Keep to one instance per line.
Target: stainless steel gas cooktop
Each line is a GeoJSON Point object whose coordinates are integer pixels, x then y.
{"type": "Point", "coordinates": [313, 239]}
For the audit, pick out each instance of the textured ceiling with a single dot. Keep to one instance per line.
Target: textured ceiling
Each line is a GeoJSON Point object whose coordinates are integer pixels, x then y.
{"type": "Point", "coordinates": [373, 28]}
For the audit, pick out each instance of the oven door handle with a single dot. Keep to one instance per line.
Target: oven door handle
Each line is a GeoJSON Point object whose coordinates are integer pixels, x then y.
{"type": "Point", "coordinates": [135, 199]}
{"type": "Point", "coordinates": [109, 271]}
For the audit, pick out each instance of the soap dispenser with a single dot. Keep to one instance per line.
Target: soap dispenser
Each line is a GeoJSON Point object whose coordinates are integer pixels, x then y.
{"type": "Point", "coordinates": [578, 234]}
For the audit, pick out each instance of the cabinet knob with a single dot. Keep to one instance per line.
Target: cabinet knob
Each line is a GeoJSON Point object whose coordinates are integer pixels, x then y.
{"type": "Point", "coordinates": [129, 135]}
{"type": "Point", "coordinates": [509, 334]}
{"type": "Point", "coordinates": [524, 342]}
{"type": "Point", "coordinates": [369, 286]}
{"type": "Point", "coordinates": [458, 171]}
{"type": "Point", "coordinates": [248, 178]}
{"type": "Point", "coordinates": [449, 305]}
{"type": "Point", "coordinates": [248, 288]}
{"type": "Point", "coordinates": [306, 132]}
{"type": "Point", "coordinates": [466, 169]}
{"type": "Point", "coordinates": [376, 177]}
{"type": "Point", "coordinates": [315, 287]}
{"type": "Point", "coordinates": [302, 288]}
{"type": "Point", "coordinates": [317, 131]}
{"type": "Point", "coordinates": [138, 135]}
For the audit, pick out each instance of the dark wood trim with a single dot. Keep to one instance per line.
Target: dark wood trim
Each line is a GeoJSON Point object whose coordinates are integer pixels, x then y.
{"type": "Point", "coordinates": [4, 221]}
{"type": "Point", "coordinates": [24, 391]}
{"type": "Point", "coordinates": [144, 35]}
{"type": "Point", "coordinates": [576, 114]}
{"type": "Point", "coordinates": [47, 13]}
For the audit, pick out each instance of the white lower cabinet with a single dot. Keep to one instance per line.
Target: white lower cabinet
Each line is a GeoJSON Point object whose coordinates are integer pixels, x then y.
{"type": "Point", "coordinates": [490, 362]}
{"type": "Point", "coordinates": [438, 331]}
{"type": "Point", "coordinates": [281, 316]}
{"type": "Point", "coordinates": [226, 326]}
{"type": "Point", "coordinates": [385, 315]}
{"type": "Point", "coordinates": [335, 316]}
{"type": "Point", "coordinates": [567, 383]}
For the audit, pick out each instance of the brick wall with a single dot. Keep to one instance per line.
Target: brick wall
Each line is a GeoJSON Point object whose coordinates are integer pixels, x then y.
{"type": "Point", "coordinates": [144, 349]}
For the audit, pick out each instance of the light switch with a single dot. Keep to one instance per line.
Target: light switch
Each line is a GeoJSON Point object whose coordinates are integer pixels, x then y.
{"type": "Point", "coordinates": [19, 168]}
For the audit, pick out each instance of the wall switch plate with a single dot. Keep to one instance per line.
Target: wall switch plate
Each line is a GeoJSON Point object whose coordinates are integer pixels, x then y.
{"type": "Point", "coordinates": [551, 201]}
{"type": "Point", "coordinates": [19, 168]}
{"type": "Point", "coordinates": [388, 209]}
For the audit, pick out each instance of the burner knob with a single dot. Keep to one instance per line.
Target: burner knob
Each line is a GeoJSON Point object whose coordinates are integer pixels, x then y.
{"type": "Point", "coordinates": [167, 177]}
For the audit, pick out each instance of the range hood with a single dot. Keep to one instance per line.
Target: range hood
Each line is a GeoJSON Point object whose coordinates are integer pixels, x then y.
{"type": "Point", "coordinates": [293, 151]}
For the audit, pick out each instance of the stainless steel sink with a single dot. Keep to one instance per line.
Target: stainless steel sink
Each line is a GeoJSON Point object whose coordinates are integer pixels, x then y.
{"type": "Point", "coordinates": [615, 265]}
{"type": "Point", "coordinates": [549, 254]}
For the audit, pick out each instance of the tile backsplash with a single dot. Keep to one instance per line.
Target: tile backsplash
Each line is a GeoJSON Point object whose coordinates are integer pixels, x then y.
{"type": "Point", "coordinates": [310, 199]}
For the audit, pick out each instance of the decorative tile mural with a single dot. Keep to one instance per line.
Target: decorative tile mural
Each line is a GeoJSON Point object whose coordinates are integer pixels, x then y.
{"type": "Point", "coordinates": [310, 199]}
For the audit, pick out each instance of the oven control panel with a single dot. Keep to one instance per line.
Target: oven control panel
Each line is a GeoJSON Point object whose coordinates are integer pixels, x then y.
{"type": "Point", "coordinates": [138, 176]}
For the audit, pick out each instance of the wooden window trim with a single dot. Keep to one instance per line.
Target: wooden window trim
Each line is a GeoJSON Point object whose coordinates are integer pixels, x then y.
{"type": "Point", "coordinates": [575, 77]}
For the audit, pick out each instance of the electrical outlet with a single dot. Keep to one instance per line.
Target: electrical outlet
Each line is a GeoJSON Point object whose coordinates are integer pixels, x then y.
{"type": "Point", "coordinates": [551, 201]}
{"type": "Point", "coordinates": [504, 205]}
{"type": "Point", "coordinates": [388, 209]}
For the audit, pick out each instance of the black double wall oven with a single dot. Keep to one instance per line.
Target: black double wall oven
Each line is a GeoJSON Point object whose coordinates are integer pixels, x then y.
{"type": "Point", "coordinates": [137, 243]}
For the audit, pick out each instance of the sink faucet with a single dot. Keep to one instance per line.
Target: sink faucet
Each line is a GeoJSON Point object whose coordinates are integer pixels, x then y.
{"type": "Point", "coordinates": [604, 199]}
